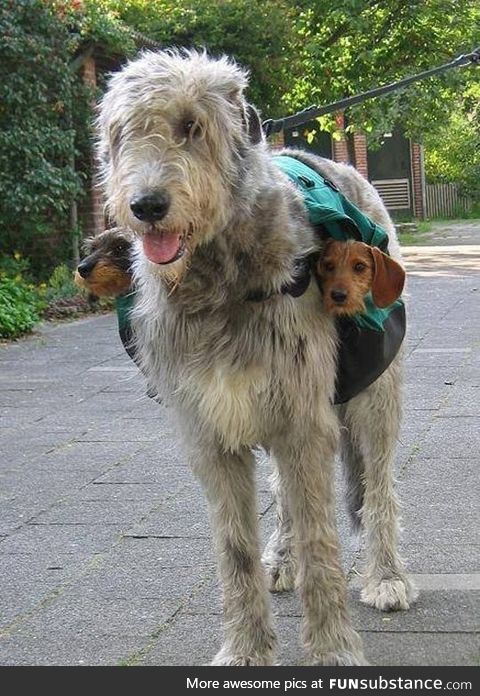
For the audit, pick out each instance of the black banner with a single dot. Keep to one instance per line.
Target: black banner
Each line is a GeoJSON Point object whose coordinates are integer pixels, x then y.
{"type": "Point", "coordinates": [185, 681]}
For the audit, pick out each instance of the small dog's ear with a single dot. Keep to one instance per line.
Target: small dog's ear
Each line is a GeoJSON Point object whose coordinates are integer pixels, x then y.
{"type": "Point", "coordinates": [253, 125]}
{"type": "Point", "coordinates": [388, 278]}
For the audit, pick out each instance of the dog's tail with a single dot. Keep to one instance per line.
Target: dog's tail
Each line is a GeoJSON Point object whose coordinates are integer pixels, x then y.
{"type": "Point", "coordinates": [354, 471]}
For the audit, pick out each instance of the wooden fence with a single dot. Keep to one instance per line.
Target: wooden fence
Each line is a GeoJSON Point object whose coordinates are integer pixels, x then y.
{"type": "Point", "coordinates": [443, 200]}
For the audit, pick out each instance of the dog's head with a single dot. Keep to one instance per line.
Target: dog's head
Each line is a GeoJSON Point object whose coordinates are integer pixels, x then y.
{"type": "Point", "coordinates": [106, 269]}
{"type": "Point", "coordinates": [174, 132]}
{"type": "Point", "coordinates": [349, 270]}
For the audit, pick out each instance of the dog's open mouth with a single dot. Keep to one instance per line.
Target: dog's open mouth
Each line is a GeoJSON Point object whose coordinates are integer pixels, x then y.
{"type": "Point", "coordinates": [164, 246]}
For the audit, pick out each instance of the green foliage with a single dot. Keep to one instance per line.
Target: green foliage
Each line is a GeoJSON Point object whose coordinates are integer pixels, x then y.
{"type": "Point", "coordinates": [18, 307]}
{"type": "Point", "coordinates": [45, 115]}
{"type": "Point", "coordinates": [258, 34]}
{"type": "Point", "coordinates": [20, 303]}
{"type": "Point", "coordinates": [60, 284]}
{"type": "Point", "coordinates": [351, 46]}
{"type": "Point", "coordinates": [303, 52]}
{"type": "Point", "coordinates": [37, 178]}
{"type": "Point", "coordinates": [95, 22]}
{"type": "Point", "coordinates": [453, 154]}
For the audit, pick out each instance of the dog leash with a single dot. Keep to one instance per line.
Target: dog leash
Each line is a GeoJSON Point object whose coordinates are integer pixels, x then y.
{"type": "Point", "coordinates": [271, 126]}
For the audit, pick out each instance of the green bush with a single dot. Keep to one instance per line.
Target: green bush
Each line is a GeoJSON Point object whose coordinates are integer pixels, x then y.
{"type": "Point", "coordinates": [60, 284]}
{"type": "Point", "coordinates": [20, 307]}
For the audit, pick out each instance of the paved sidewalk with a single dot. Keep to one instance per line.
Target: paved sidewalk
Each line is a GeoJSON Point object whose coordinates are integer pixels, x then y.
{"type": "Point", "coordinates": [105, 555]}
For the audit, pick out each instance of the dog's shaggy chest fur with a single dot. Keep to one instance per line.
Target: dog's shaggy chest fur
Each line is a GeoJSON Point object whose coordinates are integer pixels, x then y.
{"type": "Point", "coordinates": [175, 128]}
{"type": "Point", "coordinates": [238, 366]}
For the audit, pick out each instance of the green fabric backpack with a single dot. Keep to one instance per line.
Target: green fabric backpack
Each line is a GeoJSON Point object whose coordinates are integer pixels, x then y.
{"type": "Point", "coordinates": [368, 342]}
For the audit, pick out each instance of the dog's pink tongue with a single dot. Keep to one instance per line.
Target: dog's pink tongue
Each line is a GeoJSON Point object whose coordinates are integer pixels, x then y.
{"type": "Point", "coordinates": [161, 247]}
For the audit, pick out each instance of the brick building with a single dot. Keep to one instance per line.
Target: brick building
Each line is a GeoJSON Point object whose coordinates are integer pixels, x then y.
{"type": "Point", "coordinates": [396, 169]}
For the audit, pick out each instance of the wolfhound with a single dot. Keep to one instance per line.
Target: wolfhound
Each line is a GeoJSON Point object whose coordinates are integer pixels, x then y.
{"type": "Point", "coordinates": [220, 232]}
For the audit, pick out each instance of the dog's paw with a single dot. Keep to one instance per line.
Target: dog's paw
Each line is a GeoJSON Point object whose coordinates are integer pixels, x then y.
{"type": "Point", "coordinates": [225, 658]}
{"type": "Point", "coordinates": [280, 574]}
{"type": "Point", "coordinates": [342, 658]}
{"type": "Point", "coordinates": [394, 594]}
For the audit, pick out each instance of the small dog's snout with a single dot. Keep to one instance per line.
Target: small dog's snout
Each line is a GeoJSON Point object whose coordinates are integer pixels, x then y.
{"type": "Point", "coordinates": [85, 268]}
{"type": "Point", "coordinates": [150, 207]}
{"type": "Point", "coordinates": [339, 296]}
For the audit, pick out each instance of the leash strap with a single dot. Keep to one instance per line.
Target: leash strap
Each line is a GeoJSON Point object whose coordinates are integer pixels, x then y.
{"type": "Point", "coordinates": [271, 126]}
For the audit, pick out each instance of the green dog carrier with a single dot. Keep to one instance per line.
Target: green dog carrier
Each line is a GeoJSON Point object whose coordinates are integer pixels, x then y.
{"type": "Point", "coordinates": [368, 342]}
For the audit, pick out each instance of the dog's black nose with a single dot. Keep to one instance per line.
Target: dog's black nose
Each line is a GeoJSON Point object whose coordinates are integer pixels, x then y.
{"type": "Point", "coordinates": [150, 207]}
{"type": "Point", "coordinates": [339, 296]}
{"type": "Point", "coordinates": [85, 268]}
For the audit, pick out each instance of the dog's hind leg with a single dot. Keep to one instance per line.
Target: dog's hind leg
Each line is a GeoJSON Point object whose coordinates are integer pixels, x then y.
{"type": "Point", "coordinates": [354, 476]}
{"type": "Point", "coordinates": [279, 557]}
{"type": "Point", "coordinates": [372, 422]}
{"type": "Point", "coordinates": [306, 462]}
{"type": "Point", "coordinates": [228, 480]}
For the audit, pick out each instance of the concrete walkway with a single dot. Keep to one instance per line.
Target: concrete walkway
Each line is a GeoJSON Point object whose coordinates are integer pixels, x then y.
{"type": "Point", "coordinates": [105, 555]}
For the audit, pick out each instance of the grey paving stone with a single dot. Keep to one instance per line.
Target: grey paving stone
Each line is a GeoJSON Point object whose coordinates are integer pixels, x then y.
{"type": "Point", "coordinates": [185, 515]}
{"type": "Point", "coordinates": [42, 487]}
{"type": "Point", "coordinates": [452, 437]}
{"type": "Point", "coordinates": [421, 649]}
{"type": "Point", "coordinates": [420, 395]}
{"type": "Point", "coordinates": [200, 638]}
{"type": "Point", "coordinates": [70, 615]}
{"type": "Point", "coordinates": [169, 552]}
{"type": "Point", "coordinates": [53, 541]}
{"type": "Point", "coordinates": [68, 649]}
{"type": "Point", "coordinates": [439, 611]}
{"type": "Point", "coordinates": [33, 444]}
{"type": "Point", "coordinates": [146, 579]}
{"type": "Point", "coordinates": [80, 441]}
{"type": "Point", "coordinates": [122, 492]}
{"type": "Point", "coordinates": [32, 581]}
{"type": "Point", "coordinates": [463, 401]}
{"type": "Point", "coordinates": [98, 456]}
{"type": "Point", "coordinates": [96, 512]}
{"type": "Point", "coordinates": [437, 556]}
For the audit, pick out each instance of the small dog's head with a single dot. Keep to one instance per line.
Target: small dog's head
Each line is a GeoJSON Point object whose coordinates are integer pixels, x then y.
{"type": "Point", "coordinates": [349, 270]}
{"type": "Point", "coordinates": [106, 270]}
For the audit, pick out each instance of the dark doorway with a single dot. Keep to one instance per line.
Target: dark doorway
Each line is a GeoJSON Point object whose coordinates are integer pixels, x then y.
{"type": "Point", "coordinates": [320, 145]}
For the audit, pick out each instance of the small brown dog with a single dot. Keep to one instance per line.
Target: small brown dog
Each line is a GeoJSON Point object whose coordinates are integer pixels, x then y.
{"type": "Point", "coordinates": [347, 271]}
{"type": "Point", "coordinates": [106, 270]}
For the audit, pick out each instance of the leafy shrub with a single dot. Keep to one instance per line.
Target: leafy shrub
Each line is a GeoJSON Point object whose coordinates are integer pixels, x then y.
{"type": "Point", "coordinates": [37, 139]}
{"type": "Point", "coordinates": [20, 306]}
{"type": "Point", "coordinates": [61, 285]}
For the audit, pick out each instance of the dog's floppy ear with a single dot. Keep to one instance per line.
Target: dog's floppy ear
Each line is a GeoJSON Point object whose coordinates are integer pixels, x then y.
{"type": "Point", "coordinates": [253, 124]}
{"type": "Point", "coordinates": [388, 278]}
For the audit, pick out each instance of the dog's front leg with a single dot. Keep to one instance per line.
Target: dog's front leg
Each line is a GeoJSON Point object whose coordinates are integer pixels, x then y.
{"type": "Point", "coordinates": [306, 460]}
{"type": "Point", "coordinates": [228, 480]}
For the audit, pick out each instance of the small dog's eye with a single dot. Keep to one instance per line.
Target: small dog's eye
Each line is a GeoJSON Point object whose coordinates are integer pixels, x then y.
{"type": "Point", "coordinates": [120, 248]}
{"type": "Point", "coordinates": [359, 267]}
{"type": "Point", "coordinates": [329, 266]}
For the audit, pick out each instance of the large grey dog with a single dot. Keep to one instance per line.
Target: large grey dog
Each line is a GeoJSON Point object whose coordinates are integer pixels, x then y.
{"type": "Point", "coordinates": [186, 167]}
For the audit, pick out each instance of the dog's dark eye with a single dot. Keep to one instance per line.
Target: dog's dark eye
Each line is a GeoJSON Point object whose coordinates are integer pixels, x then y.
{"type": "Point", "coordinates": [191, 128]}
{"type": "Point", "coordinates": [359, 267]}
{"type": "Point", "coordinates": [329, 266]}
{"type": "Point", "coordinates": [120, 248]}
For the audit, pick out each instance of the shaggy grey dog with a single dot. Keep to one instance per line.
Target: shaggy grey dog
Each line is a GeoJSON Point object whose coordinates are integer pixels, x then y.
{"type": "Point", "coordinates": [186, 167]}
